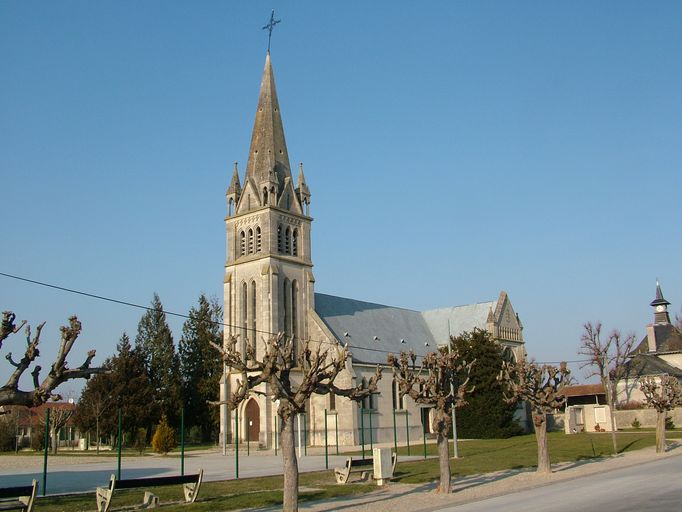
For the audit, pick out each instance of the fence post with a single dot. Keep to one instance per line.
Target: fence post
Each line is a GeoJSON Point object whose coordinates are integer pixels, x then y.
{"type": "Point", "coordinates": [305, 434]}
{"type": "Point", "coordinates": [395, 434]}
{"type": "Point", "coordinates": [362, 430]}
{"type": "Point", "coordinates": [47, 443]}
{"type": "Point", "coordinates": [120, 441]}
{"type": "Point", "coordinates": [336, 428]}
{"type": "Point", "coordinates": [371, 433]}
{"type": "Point", "coordinates": [182, 441]}
{"type": "Point", "coordinates": [407, 431]}
{"type": "Point", "coordinates": [236, 443]}
{"type": "Point", "coordinates": [326, 446]}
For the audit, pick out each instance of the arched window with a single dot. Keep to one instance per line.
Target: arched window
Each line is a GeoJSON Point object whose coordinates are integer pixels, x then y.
{"type": "Point", "coordinates": [294, 309]}
{"type": "Point", "coordinates": [288, 201]}
{"type": "Point", "coordinates": [265, 196]}
{"type": "Point", "coordinates": [287, 241]}
{"type": "Point", "coordinates": [242, 244]}
{"type": "Point", "coordinates": [254, 315]}
{"type": "Point", "coordinates": [230, 207]}
{"type": "Point", "coordinates": [286, 304]}
{"type": "Point", "coordinates": [280, 245]}
{"type": "Point", "coordinates": [258, 240]}
{"type": "Point", "coordinates": [294, 242]}
{"type": "Point", "coordinates": [245, 317]}
{"type": "Point", "coordinates": [250, 241]}
{"type": "Point", "coordinates": [366, 404]}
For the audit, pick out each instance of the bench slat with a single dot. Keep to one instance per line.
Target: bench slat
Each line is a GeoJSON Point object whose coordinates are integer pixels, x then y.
{"type": "Point", "coordinates": [13, 492]}
{"type": "Point", "coordinates": [155, 481]}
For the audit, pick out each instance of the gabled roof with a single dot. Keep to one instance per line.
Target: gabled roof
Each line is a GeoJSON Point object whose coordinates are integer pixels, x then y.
{"type": "Point", "coordinates": [642, 365]}
{"type": "Point", "coordinates": [358, 323]}
{"type": "Point", "coordinates": [668, 339]}
{"type": "Point", "coordinates": [582, 390]}
{"type": "Point", "coordinates": [460, 319]}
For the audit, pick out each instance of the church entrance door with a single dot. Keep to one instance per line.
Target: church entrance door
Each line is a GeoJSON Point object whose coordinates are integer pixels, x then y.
{"type": "Point", "coordinates": [252, 417]}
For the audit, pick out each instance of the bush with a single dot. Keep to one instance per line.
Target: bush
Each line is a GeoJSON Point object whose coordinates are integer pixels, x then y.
{"type": "Point", "coordinates": [164, 437]}
{"type": "Point", "coordinates": [140, 440]}
{"type": "Point", "coordinates": [194, 435]}
{"type": "Point", "coordinates": [38, 438]}
{"type": "Point", "coordinates": [635, 423]}
{"type": "Point", "coordinates": [669, 423]}
{"type": "Point", "coordinates": [7, 435]}
{"type": "Point", "coordinates": [631, 405]}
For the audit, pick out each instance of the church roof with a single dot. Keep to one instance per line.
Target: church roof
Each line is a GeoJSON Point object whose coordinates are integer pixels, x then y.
{"type": "Point", "coordinates": [455, 320]}
{"type": "Point", "coordinates": [374, 330]}
{"type": "Point", "coordinates": [268, 150]}
{"type": "Point", "coordinates": [659, 300]}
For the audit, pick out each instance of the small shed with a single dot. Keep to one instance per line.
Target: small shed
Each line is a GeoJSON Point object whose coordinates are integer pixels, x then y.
{"type": "Point", "coordinates": [586, 409]}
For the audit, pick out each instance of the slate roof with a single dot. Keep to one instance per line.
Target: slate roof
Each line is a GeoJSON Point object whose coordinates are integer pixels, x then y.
{"type": "Point", "coordinates": [461, 318]}
{"type": "Point", "coordinates": [365, 320]}
{"type": "Point", "coordinates": [396, 329]}
{"type": "Point", "coordinates": [642, 365]}
{"type": "Point", "coordinates": [583, 390]}
{"type": "Point", "coordinates": [668, 339]}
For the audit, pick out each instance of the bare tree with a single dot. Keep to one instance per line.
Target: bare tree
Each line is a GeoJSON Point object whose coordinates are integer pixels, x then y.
{"type": "Point", "coordinates": [58, 420]}
{"type": "Point", "coordinates": [662, 397]}
{"type": "Point", "coordinates": [429, 384]}
{"type": "Point", "coordinates": [10, 394]}
{"type": "Point", "coordinates": [541, 387]}
{"type": "Point", "coordinates": [290, 381]}
{"type": "Point", "coordinates": [607, 358]}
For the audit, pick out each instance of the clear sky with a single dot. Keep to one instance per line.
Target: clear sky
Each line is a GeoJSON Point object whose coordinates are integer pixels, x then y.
{"type": "Point", "coordinates": [453, 150]}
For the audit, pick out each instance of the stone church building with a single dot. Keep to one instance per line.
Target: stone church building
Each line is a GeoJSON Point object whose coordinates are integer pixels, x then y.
{"type": "Point", "coordinates": [269, 287]}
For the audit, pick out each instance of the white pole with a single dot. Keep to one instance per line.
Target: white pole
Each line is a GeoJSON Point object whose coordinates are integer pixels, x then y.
{"type": "Point", "coordinates": [455, 448]}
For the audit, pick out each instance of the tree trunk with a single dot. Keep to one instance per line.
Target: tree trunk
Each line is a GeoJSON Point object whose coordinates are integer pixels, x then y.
{"type": "Point", "coordinates": [540, 424]}
{"type": "Point", "coordinates": [660, 431]}
{"type": "Point", "coordinates": [444, 462]}
{"type": "Point", "coordinates": [97, 433]}
{"type": "Point", "coordinates": [612, 413]}
{"type": "Point", "coordinates": [290, 465]}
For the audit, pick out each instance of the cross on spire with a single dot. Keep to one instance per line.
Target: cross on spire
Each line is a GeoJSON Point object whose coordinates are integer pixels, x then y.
{"type": "Point", "coordinates": [271, 24]}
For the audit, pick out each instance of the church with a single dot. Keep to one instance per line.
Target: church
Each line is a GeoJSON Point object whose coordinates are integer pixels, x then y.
{"type": "Point", "coordinates": [269, 287]}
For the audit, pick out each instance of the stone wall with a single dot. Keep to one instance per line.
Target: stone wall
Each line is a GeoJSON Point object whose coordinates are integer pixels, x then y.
{"type": "Point", "coordinates": [646, 417]}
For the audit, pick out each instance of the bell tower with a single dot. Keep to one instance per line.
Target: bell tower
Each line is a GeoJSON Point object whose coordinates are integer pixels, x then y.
{"type": "Point", "coordinates": [660, 305]}
{"type": "Point", "coordinates": [268, 285]}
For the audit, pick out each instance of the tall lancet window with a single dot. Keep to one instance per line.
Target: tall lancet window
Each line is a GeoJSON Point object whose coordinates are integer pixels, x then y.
{"type": "Point", "coordinates": [280, 244]}
{"type": "Point", "coordinates": [254, 315]}
{"type": "Point", "coordinates": [245, 317]}
{"type": "Point", "coordinates": [287, 241]}
{"type": "Point", "coordinates": [265, 196]}
{"type": "Point", "coordinates": [258, 240]}
{"type": "Point", "coordinates": [242, 243]}
{"type": "Point", "coordinates": [294, 316]}
{"type": "Point", "coordinates": [294, 242]}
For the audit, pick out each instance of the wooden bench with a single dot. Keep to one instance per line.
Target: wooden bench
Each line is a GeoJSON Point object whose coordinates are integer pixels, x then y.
{"type": "Point", "coordinates": [191, 485]}
{"type": "Point", "coordinates": [363, 466]}
{"type": "Point", "coordinates": [19, 498]}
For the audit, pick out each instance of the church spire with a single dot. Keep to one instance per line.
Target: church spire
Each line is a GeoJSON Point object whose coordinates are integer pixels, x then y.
{"type": "Point", "coordinates": [268, 153]}
{"type": "Point", "coordinates": [234, 191]}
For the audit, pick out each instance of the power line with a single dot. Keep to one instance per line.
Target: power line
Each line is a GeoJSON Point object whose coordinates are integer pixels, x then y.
{"type": "Point", "coordinates": [170, 313]}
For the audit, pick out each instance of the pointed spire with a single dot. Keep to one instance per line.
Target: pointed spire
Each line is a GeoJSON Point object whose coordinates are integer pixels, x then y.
{"type": "Point", "coordinates": [268, 147]}
{"type": "Point", "coordinates": [235, 186]}
{"type": "Point", "coordinates": [659, 300]}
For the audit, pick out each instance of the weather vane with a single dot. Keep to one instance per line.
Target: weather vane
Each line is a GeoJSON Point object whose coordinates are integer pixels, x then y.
{"type": "Point", "coordinates": [270, 26]}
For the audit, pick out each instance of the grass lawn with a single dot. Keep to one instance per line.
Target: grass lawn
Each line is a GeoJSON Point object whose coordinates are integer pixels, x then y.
{"type": "Point", "coordinates": [477, 456]}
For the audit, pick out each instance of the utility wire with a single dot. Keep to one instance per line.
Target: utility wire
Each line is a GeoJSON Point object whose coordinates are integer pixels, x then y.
{"type": "Point", "coordinates": [171, 313]}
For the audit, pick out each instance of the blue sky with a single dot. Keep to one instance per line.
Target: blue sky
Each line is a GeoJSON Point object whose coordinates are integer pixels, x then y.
{"type": "Point", "coordinates": [453, 149]}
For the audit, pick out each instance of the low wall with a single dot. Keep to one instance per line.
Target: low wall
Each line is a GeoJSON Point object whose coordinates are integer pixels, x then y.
{"type": "Point", "coordinates": [646, 417]}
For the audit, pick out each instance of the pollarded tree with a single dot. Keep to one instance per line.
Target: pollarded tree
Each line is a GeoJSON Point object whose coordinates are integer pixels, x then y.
{"type": "Point", "coordinates": [10, 394]}
{"type": "Point", "coordinates": [154, 340]}
{"type": "Point", "coordinates": [488, 414]}
{"type": "Point", "coordinates": [200, 366]}
{"type": "Point", "coordinates": [290, 382]}
{"type": "Point", "coordinates": [541, 387]}
{"type": "Point", "coordinates": [429, 384]}
{"type": "Point", "coordinates": [607, 357]}
{"type": "Point", "coordinates": [662, 397]}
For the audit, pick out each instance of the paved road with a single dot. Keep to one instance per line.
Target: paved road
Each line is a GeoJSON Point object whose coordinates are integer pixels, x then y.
{"type": "Point", "coordinates": [653, 486]}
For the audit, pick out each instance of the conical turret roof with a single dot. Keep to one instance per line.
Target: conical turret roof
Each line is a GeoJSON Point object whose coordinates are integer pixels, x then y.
{"type": "Point", "coordinates": [268, 146]}
{"type": "Point", "coordinates": [659, 297]}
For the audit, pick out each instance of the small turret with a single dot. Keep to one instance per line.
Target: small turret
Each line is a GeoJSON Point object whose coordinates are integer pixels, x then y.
{"type": "Point", "coordinates": [660, 305]}
{"type": "Point", "coordinates": [303, 192]}
{"type": "Point", "coordinates": [234, 191]}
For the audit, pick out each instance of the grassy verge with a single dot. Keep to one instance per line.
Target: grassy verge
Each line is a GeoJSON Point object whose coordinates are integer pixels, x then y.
{"type": "Point", "coordinates": [477, 456]}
